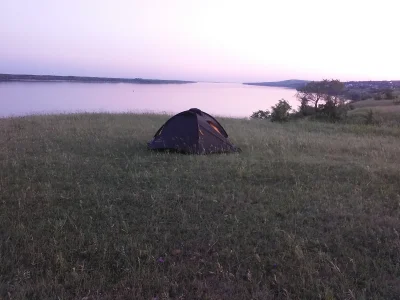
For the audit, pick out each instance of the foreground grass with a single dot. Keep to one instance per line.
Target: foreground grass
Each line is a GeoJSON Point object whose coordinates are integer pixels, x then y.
{"type": "Point", "coordinates": [306, 211]}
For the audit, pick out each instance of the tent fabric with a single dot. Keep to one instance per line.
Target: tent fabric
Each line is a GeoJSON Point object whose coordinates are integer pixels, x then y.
{"type": "Point", "coordinates": [192, 131]}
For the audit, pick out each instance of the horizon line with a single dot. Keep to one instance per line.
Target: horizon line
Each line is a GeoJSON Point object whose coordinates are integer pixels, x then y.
{"type": "Point", "coordinates": [182, 80]}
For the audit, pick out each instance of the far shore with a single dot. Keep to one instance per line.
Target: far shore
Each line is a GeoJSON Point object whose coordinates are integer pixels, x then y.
{"type": "Point", "coordinates": [84, 79]}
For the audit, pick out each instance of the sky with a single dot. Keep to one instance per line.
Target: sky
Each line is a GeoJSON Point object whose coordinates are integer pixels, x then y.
{"type": "Point", "coordinates": [202, 40]}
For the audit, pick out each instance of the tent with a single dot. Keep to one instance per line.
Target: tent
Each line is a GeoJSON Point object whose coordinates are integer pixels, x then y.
{"type": "Point", "coordinates": [192, 131]}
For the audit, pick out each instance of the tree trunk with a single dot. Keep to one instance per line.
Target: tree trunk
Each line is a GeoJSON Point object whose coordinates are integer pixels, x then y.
{"type": "Point", "coordinates": [316, 105]}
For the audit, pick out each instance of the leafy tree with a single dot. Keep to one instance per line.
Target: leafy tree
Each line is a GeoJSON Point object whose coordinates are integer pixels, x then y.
{"type": "Point", "coordinates": [305, 109]}
{"type": "Point", "coordinates": [354, 95]}
{"type": "Point", "coordinates": [389, 94]}
{"type": "Point", "coordinates": [281, 111]}
{"type": "Point", "coordinates": [316, 92]}
{"type": "Point", "coordinates": [303, 104]}
{"type": "Point", "coordinates": [366, 96]}
{"type": "Point", "coordinates": [261, 114]}
{"type": "Point", "coordinates": [333, 110]}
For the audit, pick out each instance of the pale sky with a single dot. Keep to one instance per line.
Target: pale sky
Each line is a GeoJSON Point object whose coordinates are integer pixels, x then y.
{"type": "Point", "coordinates": [202, 40]}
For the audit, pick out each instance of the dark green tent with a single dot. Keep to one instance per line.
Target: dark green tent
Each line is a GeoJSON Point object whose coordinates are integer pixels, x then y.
{"type": "Point", "coordinates": [192, 131]}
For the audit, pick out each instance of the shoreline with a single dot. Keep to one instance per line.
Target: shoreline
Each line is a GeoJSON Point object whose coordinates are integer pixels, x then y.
{"type": "Point", "coordinates": [84, 79]}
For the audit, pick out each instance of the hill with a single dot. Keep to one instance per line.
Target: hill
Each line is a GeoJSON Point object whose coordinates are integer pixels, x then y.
{"type": "Point", "coordinates": [308, 210]}
{"type": "Point", "coordinates": [54, 78]}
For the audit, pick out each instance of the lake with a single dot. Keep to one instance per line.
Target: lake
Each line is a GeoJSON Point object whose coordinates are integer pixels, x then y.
{"type": "Point", "coordinates": [220, 99]}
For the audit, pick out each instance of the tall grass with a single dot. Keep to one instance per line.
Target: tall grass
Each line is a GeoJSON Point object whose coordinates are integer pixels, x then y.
{"type": "Point", "coordinates": [306, 211]}
{"type": "Point", "coordinates": [385, 114]}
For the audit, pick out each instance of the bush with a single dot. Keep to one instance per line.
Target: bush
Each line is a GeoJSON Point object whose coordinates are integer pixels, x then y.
{"type": "Point", "coordinates": [354, 96]}
{"type": "Point", "coordinates": [389, 95]}
{"type": "Point", "coordinates": [369, 118]}
{"type": "Point", "coordinates": [307, 110]}
{"type": "Point", "coordinates": [261, 114]}
{"type": "Point", "coordinates": [332, 111]}
{"type": "Point", "coordinates": [281, 111]}
{"type": "Point", "coordinates": [335, 109]}
{"type": "Point", "coordinates": [366, 96]}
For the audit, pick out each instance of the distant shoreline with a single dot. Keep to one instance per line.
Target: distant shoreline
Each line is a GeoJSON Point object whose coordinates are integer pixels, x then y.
{"type": "Point", "coordinates": [84, 79]}
{"type": "Point", "coordinates": [289, 84]}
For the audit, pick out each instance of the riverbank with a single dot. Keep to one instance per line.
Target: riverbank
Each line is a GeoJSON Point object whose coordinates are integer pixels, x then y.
{"type": "Point", "coordinates": [53, 78]}
{"type": "Point", "coordinates": [308, 210]}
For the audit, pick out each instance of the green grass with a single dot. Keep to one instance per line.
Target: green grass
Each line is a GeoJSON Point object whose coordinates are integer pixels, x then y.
{"type": "Point", "coordinates": [373, 103]}
{"type": "Point", "coordinates": [307, 211]}
{"type": "Point", "coordinates": [384, 112]}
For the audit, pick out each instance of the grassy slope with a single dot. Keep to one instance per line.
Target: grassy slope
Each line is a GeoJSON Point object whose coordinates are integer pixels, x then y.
{"type": "Point", "coordinates": [384, 112]}
{"type": "Point", "coordinates": [307, 211]}
{"type": "Point", "coordinates": [373, 103]}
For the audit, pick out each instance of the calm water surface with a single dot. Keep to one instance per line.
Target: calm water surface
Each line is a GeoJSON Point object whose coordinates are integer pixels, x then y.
{"type": "Point", "coordinates": [220, 99]}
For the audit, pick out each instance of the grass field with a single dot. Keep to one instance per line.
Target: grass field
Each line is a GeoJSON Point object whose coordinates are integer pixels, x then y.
{"type": "Point", "coordinates": [384, 112]}
{"type": "Point", "coordinates": [307, 211]}
{"type": "Point", "coordinates": [374, 103]}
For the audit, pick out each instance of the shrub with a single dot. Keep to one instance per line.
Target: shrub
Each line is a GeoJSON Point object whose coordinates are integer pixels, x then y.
{"type": "Point", "coordinates": [261, 114]}
{"type": "Point", "coordinates": [366, 96]}
{"type": "Point", "coordinates": [389, 95]}
{"type": "Point", "coordinates": [305, 109]}
{"type": "Point", "coordinates": [281, 111]}
{"type": "Point", "coordinates": [354, 96]}
{"type": "Point", "coordinates": [332, 111]}
{"type": "Point", "coordinates": [369, 118]}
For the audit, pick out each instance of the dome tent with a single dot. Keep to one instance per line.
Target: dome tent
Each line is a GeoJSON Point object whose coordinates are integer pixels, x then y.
{"type": "Point", "coordinates": [192, 131]}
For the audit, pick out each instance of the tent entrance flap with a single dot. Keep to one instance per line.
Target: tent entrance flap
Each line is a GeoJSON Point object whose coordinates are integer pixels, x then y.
{"type": "Point", "coordinates": [214, 127]}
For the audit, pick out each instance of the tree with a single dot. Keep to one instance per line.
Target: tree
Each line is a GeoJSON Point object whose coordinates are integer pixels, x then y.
{"type": "Point", "coordinates": [389, 94]}
{"type": "Point", "coordinates": [333, 110]}
{"type": "Point", "coordinates": [261, 114]}
{"type": "Point", "coordinates": [316, 92]}
{"type": "Point", "coordinates": [280, 112]}
{"type": "Point", "coordinates": [305, 109]}
{"type": "Point", "coordinates": [354, 95]}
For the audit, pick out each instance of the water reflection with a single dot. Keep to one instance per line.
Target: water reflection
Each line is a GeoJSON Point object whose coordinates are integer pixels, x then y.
{"type": "Point", "coordinates": [222, 99]}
